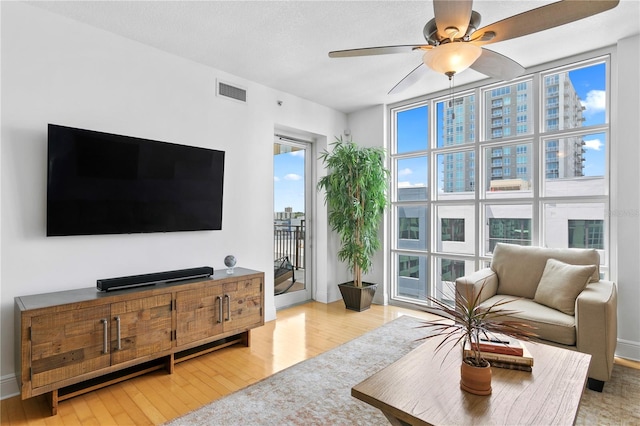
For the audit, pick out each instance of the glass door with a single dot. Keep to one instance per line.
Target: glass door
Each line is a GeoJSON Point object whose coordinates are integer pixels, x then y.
{"type": "Point", "coordinates": [291, 217]}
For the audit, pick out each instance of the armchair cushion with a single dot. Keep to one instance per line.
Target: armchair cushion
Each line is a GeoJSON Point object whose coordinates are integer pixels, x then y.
{"type": "Point", "coordinates": [561, 284]}
{"type": "Point", "coordinates": [519, 268]}
{"type": "Point", "coordinates": [550, 324]}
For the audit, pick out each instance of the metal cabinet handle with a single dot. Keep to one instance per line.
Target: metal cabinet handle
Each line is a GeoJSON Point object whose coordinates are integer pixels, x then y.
{"type": "Point", "coordinates": [226, 296]}
{"type": "Point", "coordinates": [105, 343]}
{"type": "Point", "coordinates": [219, 299]}
{"type": "Point", "coordinates": [118, 332]}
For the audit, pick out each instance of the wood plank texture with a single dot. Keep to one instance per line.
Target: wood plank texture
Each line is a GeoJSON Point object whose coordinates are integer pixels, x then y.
{"type": "Point", "coordinates": [77, 340]}
{"type": "Point", "coordinates": [549, 395]}
{"type": "Point", "coordinates": [66, 344]}
{"type": "Point", "coordinates": [299, 333]}
{"type": "Point", "coordinates": [145, 327]}
{"type": "Point", "coordinates": [198, 314]}
{"type": "Point", "coordinates": [245, 306]}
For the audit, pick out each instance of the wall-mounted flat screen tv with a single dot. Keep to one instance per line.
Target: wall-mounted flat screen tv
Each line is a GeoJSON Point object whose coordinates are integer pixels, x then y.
{"type": "Point", "coordinates": [101, 183]}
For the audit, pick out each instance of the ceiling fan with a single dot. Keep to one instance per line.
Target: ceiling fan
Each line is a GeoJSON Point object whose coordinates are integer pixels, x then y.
{"type": "Point", "coordinates": [454, 41]}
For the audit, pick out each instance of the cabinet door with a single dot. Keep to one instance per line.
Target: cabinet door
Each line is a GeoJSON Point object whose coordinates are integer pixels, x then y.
{"type": "Point", "coordinates": [198, 313]}
{"type": "Point", "coordinates": [140, 327]}
{"type": "Point", "coordinates": [243, 304]}
{"type": "Point", "coordinates": [67, 344]}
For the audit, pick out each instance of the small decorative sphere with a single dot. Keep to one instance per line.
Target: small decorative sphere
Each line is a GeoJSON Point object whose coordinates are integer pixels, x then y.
{"type": "Point", "coordinates": [230, 261]}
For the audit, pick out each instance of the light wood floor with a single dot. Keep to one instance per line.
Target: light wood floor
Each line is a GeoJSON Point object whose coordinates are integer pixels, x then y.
{"type": "Point", "coordinates": [299, 333]}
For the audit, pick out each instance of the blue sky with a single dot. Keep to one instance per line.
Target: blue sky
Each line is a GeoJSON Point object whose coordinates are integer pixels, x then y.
{"type": "Point", "coordinates": [588, 82]}
{"type": "Point", "coordinates": [288, 181]}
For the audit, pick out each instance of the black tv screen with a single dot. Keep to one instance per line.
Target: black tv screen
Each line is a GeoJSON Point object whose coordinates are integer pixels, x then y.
{"type": "Point", "coordinates": [101, 183]}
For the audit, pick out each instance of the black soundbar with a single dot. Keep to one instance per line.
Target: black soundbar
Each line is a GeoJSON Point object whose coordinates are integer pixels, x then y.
{"type": "Point", "coordinates": [108, 284]}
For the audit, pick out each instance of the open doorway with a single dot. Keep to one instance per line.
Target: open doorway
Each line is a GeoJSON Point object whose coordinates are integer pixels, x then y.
{"type": "Point", "coordinates": [291, 217]}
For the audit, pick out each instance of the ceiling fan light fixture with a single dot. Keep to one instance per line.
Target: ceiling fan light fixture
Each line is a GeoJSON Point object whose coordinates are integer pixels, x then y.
{"type": "Point", "coordinates": [451, 58]}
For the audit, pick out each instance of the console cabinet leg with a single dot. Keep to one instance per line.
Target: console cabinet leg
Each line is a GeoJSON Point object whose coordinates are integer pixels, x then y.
{"type": "Point", "coordinates": [169, 364]}
{"type": "Point", "coordinates": [246, 338]}
{"type": "Point", "coordinates": [52, 398]}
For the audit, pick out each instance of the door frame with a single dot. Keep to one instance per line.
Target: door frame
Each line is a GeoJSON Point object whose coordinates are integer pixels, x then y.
{"type": "Point", "coordinates": [301, 296]}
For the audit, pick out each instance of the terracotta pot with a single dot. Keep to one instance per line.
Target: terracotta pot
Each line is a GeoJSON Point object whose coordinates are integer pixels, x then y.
{"type": "Point", "coordinates": [475, 380]}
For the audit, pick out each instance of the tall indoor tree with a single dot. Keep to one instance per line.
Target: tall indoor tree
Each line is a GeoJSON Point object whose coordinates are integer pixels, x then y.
{"type": "Point", "coordinates": [356, 195]}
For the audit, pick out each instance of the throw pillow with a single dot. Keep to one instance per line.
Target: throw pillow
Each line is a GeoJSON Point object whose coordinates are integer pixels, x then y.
{"type": "Point", "coordinates": [561, 284]}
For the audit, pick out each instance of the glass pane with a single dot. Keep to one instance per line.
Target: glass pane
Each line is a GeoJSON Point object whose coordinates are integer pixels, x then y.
{"type": "Point", "coordinates": [509, 111]}
{"type": "Point", "coordinates": [456, 175]}
{"type": "Point", "coordinates": [456, 229]}
{"type": "Point", "coordinates": [508, 169]}
{"type": "Point", "coordinates": [575, 165]}
{"type": "Point", "coordinates": [586, 233]}
{"type": "Point", "coordinates": [456, 121]}
{"type": "Point", "coordinates": [452, 229]}
{"type": "Point", "coordinates": [289, 223]}
{"type": "Point", "coordinates": [412, 179]}
{"type": "Point", "coordinates": [412, 276]}
{"type": "Point", "coordinates": [507, 224]}
{"type": "Point", "coordinates": [575, 225]}
{"type": "Point", "coordinates": [412, 227]}
{"type": "Point", "coordinates": [573, 99]}
{"type": "Point", "coordinates": [412, 129]}
{"type": "Point", "coordinates": [447, 270]}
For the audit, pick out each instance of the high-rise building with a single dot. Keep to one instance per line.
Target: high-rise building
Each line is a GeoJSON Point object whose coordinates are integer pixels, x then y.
{"type": "Point", "coordinates": [459, 123]}
{"type": "Point", "coordinates": [509, 114]}
{"type": "Point", "coordinates": [563, 110]}
{"type": "Point", "coordinates": [510, 110]}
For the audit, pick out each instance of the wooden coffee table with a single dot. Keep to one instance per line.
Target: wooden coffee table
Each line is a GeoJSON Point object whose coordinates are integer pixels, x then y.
{"type": "Point", "coordinates": [423, 389]}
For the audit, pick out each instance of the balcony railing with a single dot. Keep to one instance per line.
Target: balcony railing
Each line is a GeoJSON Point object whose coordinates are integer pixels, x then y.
{"type": "Point", "coordinates": [289, 241]}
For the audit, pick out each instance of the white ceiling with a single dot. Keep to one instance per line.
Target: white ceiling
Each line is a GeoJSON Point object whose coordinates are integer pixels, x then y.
{"type": "Point", "coordinates": [284, 44]}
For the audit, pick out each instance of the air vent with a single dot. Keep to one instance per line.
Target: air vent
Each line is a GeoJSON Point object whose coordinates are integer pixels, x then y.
{"type": "Point", "coordinates": [232, 92]}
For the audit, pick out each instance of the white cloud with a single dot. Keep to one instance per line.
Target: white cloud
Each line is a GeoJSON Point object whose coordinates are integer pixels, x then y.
{"type": "Point", "coordinates": [407, 184]}
{"type": "Point", "coordinates": [595, 144]}
{"type": "Point", "coordinates": [596, 102]}
{"type": "Point", "coordinates": [299, 153]}
{"type": "Point", "coordinates": [276, 179]}
{"type": "Point", "coordinates": [292, 176]}
{"type": "Point", "coordinates": [405, 172]}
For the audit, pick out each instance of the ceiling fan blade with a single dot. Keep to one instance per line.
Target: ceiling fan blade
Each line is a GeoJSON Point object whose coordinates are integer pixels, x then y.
{"type": "Point", "coordinates": [380, 50]}
{"type": "Point", "coordinates": [410, 79]}
{"type": "Point", "coordinates": [456, 14]}
{"type": "Point", "coordinates": [496, 65]}
{"type": "Point", "coordinates": [543, 18]}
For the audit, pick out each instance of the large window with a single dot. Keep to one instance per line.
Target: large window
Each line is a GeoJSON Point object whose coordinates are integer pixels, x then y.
{"type": "Point", "coordinates": [522, 162]}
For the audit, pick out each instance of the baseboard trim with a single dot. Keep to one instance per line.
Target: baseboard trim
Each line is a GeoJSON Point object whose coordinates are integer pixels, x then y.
{"type": "Point", "coordinates": [628, 349]}
{"type": "Point", "coordinates": [8, 386]}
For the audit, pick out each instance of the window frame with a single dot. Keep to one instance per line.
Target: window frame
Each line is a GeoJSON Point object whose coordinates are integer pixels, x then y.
{"type": "Point", "coordinates": [478, 142]}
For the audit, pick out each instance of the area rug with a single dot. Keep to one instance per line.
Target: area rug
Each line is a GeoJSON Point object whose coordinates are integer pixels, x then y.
{"type": "Point", "coordinates": [318, 391]}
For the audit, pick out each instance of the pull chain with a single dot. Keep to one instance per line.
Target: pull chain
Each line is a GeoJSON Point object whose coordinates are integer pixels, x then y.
{"type": "Point", "coordinates": [451, 84]}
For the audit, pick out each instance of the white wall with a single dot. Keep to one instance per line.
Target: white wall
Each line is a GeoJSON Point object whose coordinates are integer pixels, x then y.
{"type": "Point", "coordinates": [625, 197]}
{"type": "Point", "coordinates": [56, 70]}
{"type": "Point", "coordinates": [369, 128]}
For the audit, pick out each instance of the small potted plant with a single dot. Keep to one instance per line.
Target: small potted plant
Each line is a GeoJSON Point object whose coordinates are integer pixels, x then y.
{"type": "Point", "coordinates": [356, 195]}
{"type": "Point", "coordinates": [471, 323]}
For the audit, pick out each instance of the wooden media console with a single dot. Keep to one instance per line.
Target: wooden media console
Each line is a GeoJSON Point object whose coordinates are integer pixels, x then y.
{"type": "Point", "coordinates": [72, 342]}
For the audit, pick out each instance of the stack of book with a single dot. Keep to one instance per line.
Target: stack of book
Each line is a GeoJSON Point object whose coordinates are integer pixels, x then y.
{"type": "Point", "coordinates": [503, 352]}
